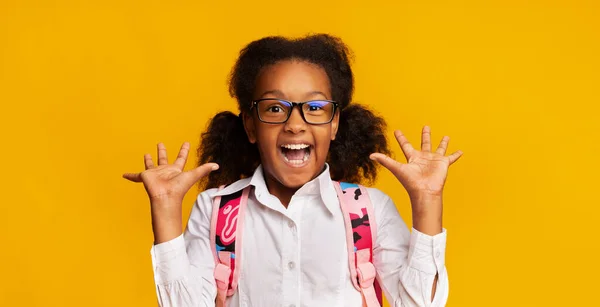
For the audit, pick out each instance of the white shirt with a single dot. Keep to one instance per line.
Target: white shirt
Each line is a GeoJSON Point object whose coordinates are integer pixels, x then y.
{"type": "Point", "coordinates": [298, 256]}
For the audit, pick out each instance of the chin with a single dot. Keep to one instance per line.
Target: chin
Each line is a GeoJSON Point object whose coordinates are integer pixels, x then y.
{"type": "Point", "coordinates": [295, 177]}
{"type": "Point", "coordinates": [295, 181]}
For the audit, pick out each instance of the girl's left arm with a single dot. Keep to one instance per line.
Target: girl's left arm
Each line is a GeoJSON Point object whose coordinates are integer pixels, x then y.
{"type": "Point", "coordinates": [423, 177]}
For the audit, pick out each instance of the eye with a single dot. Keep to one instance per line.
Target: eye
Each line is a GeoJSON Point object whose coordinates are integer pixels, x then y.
{"type": "Point", "coordinates": [312, 107]}
{"type": "Point", "coordinates": [275, 109]}
{"type": "Point", "coordinates": [316, 105]}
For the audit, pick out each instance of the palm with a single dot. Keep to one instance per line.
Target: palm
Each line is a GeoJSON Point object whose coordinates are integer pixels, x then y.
{"type": "Point", "coordinates": [162, 180]}
{"type": "Point", "coordinates": [169, 181]}
{"type": "Point", "coordinates": [425, 171]}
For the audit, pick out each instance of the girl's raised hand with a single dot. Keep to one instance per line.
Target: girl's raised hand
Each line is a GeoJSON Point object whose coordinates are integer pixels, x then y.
{"type": "Point", "coordinates": [423, 177]}
{"type": "Point", "coordinates": [426, 171]}
{"type": "Point", "coordinates": [168, 183]}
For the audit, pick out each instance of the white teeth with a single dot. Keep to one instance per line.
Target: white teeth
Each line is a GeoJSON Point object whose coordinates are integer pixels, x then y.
{"type": "Point", "coordinates": [295, 146]}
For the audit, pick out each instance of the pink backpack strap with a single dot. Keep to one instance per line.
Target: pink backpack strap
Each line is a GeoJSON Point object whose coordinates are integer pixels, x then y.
{"type": "Point", "coordinates": [226, 229]}
{"type": "Point", "coordinates": [361, 232]}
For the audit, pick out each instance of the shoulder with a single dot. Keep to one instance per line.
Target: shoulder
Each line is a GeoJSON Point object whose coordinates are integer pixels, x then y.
{"type": "Point", "coordinates": [202, 209]}
{"type": "Point", "coordinates": [378, 198]}
{"type": "Point", "coordinates": [204, 200]}
{"type": "Point", "coordinates": [384, 209]}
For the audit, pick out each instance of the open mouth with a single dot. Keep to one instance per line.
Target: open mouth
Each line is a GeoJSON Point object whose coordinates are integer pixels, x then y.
{"type": "Point", "coordinates": [296, 154]}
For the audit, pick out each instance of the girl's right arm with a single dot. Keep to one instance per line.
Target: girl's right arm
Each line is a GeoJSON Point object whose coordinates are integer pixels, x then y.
{"type": "Point", "coordinates": [183, 263]}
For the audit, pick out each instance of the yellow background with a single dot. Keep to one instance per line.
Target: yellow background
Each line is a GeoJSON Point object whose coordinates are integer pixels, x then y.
{"type": "Point", "coordinates": [87, 88]}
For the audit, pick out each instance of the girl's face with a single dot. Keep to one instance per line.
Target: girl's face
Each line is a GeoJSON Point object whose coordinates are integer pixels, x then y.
{"type": "Point", "coordinates": [296, 81]}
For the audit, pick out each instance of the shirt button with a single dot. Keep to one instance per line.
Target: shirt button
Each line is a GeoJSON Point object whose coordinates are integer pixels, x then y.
{"type": "Point", "coordinates": [437, 254]}
{"type": "Point", "coordinates": [291, 224]}
{"type": "Point", "coordinates": [292, 305]}
{"type": "Point", "coordinates": [291, 265]}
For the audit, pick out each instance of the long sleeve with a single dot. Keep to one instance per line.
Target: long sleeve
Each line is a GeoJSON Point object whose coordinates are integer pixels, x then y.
{"type": "Point", "coordinates": [407, 262]}
{"type": "Point", "coordinates": [183, 267]}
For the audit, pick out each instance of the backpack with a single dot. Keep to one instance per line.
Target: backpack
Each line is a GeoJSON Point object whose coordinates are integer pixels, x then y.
{"type": "Point", "coordinates": [226, 232]}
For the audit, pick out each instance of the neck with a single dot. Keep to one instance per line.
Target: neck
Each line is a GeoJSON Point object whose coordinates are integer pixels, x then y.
{"type": "Point", "coordinates": [283, 193]}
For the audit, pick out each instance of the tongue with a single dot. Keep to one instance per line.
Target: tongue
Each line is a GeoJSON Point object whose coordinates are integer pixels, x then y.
{"type": "Point", "coordinates": [294, 154]}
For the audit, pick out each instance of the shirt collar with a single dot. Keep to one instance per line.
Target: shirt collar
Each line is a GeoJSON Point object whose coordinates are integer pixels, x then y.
{"type": "Point", "coordinates": [234, 187]}
{"type": "Point", "coordinates": [322, 185]}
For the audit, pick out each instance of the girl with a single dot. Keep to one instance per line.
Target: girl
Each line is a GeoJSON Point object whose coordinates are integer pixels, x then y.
{"type": "Point", "coordinates": [296, 133]}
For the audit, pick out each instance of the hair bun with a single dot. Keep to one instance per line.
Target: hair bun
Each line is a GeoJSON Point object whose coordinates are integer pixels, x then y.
{"type": "Point", "coordinates": [361, 133]}
{"type": "Point", "coordinates": [225, 143]}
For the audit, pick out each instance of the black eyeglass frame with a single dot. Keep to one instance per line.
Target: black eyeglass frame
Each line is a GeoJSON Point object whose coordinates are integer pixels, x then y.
{"type": "Point", "coordinates": [299, 104]}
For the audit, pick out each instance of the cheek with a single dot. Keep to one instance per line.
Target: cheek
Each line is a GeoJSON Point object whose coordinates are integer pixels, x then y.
{"type": "Point", "coordinates": [266, 138]}
{"type": "Point", "coordinates": [323, 139]}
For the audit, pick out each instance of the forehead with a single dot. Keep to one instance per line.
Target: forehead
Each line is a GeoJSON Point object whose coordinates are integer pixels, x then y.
{"type": "Point", "coordinates": [294, 80]}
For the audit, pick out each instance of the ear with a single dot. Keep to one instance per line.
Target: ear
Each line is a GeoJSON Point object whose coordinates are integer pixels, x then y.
{"type": "Point", "coordinates": [335, 124]}
{"type": "Point", "coordinates": [248, 121]}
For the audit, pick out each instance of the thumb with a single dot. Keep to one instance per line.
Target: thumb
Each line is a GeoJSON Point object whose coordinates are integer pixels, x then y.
{"type": "Point", "coordinates": [137, 177]}
{"type": "Point", "coordinates": [387, 162]}
{"type": "Point", "coordinates": [192, 176]}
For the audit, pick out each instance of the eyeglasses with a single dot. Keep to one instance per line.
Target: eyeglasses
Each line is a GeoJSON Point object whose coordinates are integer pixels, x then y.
{"type": "Point", "coordinates": [278, 111]}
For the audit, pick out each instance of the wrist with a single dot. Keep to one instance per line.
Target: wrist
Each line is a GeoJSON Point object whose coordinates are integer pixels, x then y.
{"type": "Point", "coordinates": [427, 213]}
{"type": "Point", "coordinates": [428, 226]}
{"type": "Point", "coordinates": [164, 232]}
{"type": "Point", "coordinates": [166, 222]}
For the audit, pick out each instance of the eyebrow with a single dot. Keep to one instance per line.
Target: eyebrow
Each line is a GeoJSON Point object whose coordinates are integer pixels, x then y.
{"type": "Point", "coordinates": [281, 94]}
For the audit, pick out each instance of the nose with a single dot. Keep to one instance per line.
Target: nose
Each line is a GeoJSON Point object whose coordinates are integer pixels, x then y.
{"type": "Point", "coordinates": [295, 124]}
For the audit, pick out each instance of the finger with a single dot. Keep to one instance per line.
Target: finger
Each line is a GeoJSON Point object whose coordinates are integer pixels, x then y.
{"type": "Point", "coordinates": [192, 176]}
{"type": "Point", "coordinates": [137, 177]}
{"type": "Point", "coordinates": [204, 169]}
{"type": "Point", "coordinates": [386, 161]}
{"type": "Point", "coordinates": [453, 157]}
{"type": "Point", "coordinates": [426, 139]}
{"type": "Point", "coordinates": [162, 154]}
{"type": "Point", "coordinates": [407, 148]}
{"type": "Point", "coordinates": [443, 146]}
{"type": "Point", "coordinates": [148, 161]}
{"type": "Point", "coordinates": [182, 156]}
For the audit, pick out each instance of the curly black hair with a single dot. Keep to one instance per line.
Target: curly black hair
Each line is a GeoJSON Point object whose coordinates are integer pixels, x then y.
{"type": "Point", "coordinates": [360, 131]}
